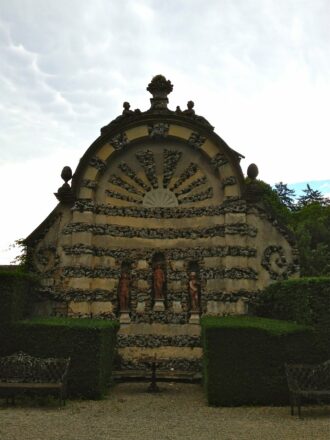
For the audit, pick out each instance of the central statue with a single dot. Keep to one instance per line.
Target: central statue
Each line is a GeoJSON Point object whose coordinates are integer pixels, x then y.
{"type": "Point", "coordinates": [158, 282]}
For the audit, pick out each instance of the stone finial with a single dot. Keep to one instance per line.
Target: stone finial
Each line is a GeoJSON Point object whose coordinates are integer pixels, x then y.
{"type": "Point", "coordinates": [252, 171]}
{"type": "Point", "coordinates": [66, 174]}
{"type": "Point", "coordinates": [253, 191]}
{"type": "Point", "coordinates": [64, 193]}
{"type": "Point", "coordinates": [159, 87]}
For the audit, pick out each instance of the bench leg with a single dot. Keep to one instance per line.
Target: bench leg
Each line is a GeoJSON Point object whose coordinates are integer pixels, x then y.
{"type": "Point", "coordinates": [292, 404]}
{"type": "Point", "coordinates": [299, 406]}
{"type": "Point", "coordinates": [62, 396]}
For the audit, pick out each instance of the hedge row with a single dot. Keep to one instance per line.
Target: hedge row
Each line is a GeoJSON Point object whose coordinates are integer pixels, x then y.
{"type": "Point", "coordinates": [304, 301]}
{"type": "Point", "coordinates": [244, 358]}
{"type": "Point", "coordinates": [16, 291]}
{"type": "Point", "coordinates": [90, 344]}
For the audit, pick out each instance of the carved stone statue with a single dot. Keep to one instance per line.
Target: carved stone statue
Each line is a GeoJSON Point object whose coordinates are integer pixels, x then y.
{"type": "Point", "coordinates": [190, 109]}
{"type": "Point", "coordinates": [194, 291]}
{"type": "Point", "coordinates": [124, 288]}
{"type": "Point", "coordinates": [127, 111]}
{"type": "Point", "coordinates": [158, 282]}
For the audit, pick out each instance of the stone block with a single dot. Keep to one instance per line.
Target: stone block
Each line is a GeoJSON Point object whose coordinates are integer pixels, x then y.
{"type": "Point", "coordinates": [100, 307]}
{"type": "Point", "coordinates": [142, 285]}
{"type": "Point", "coordinates": [194, 318]}
{"type": "Point", "coordinates": [241, 307]}
{"type": "Point", "coordinates": [216, 284]}
{"type": "Point", "coordinates": [79, 283]}
{"type": "Point", "coordinates": [175, 286]}
{"type": "Point", "coordinates": [177, 307]}
{"type": "Point", "coordinates": [178, 265]}
{"type": "Point", "coordinates": [83, 260]}
{"type": "Point", "coordinates": [105, 261]}
{"type": "Point", "coordinates": [221, 308]}
{"type": "Point", "coordinates": [90, 173]}
{"type": "Point", "coordinates": [137, 132]}
{"type": "Point", "coordinates": [124, 318]}
{"type": "Point", "coordinates": [141, 353]}
{"type": "Point", "coordinates": [227, 170]}
{"type": "Point", "coordinates": [85, 193]}
{"type": "Point", "coordinates": [82, 217]}
{"type": "Point", "coordinates": [82, 237]}
{"type": "Point", "coordinates": [159, 305]}
{"type": "Point", "coordinates": [79, 308]}
{"type": "Point", "coordinates": [231, 191]}
{"type": "Point", "coordinates": [210, 148]}
{"type": "Point", "coordinates": [213, 262]}
{"type": "Point", "coordinates": [140, 307]}
{"type": "Point", "coordinates": [105, 151]}
{"type": "Point", "coordinates": [104, 283]}
{"type": "Point", "coordinates": [142, 264]}
{"type": "Point", "coordinates": [178, 131]}
{"type": "Point", "coordinates": [231, 217]}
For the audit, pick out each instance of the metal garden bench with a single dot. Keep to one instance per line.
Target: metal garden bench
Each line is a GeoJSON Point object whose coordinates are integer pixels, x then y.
{"type": "Point", "coordinates": [307, 382]}
{"type": "Point", "coordinates": [21, 372]}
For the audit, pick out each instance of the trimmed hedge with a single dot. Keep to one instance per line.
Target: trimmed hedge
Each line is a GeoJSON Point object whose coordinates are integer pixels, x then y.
{"type": "Point", "coordinates": [89, 342]}
{"type": "Point", "coordinates": [304, 301]}
{"type": "Point", "coordinates": [16, 290]}
{"type": "Point", "coordinates": [244, 358]}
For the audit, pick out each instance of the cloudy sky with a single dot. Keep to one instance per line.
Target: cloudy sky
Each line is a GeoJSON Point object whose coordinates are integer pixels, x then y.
{"type": "Point", "coordinates": [258, 70]}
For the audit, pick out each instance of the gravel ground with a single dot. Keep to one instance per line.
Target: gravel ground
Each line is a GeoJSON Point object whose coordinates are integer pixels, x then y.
{"type": "Point", "coordinates": [178, 412]}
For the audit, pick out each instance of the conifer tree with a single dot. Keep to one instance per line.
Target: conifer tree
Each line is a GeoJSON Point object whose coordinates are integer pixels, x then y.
{"type": "Point", "coordinates": [286, 195]}
{"type": "Point", "coordinates": [312, 196]}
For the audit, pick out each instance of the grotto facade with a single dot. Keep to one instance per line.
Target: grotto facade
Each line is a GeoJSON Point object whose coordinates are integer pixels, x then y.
{"type": "Point", "coordinates": [157, 228]}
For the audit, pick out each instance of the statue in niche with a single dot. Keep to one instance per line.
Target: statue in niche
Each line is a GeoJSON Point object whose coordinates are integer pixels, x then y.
{"type": "Point", "coordinates": [158, 282]}
{"type": "Point", "coordinates": [194, 291]}
{"type": "Point", "coordinates": [124, 288]}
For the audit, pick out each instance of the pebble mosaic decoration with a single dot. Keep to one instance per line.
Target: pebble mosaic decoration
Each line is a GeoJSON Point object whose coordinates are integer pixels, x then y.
{"type": "Point", "coordinates": [169, 194]}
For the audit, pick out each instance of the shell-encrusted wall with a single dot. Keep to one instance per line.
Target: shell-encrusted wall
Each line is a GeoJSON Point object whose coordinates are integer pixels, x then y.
{"type": "Point", "coordinates": [158, 227]}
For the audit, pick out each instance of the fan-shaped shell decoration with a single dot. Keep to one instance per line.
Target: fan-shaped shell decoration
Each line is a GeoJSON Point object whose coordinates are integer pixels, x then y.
{"type": "Point", "coordinates": [161, 198]}
{"type": "Point", "coordinates": [139, 183]}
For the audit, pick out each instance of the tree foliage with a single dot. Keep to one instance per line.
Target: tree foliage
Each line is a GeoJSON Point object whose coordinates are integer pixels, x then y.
{"type": "Point", "coordinates": [309, 218]}
{"type": "Point", "coordinates": [20, 259]}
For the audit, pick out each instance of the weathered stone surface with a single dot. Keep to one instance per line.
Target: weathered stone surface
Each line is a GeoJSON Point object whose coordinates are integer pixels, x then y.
{"type": "Point", "coordinates": [168, 233]}
{"type": "Point", "coordinates": [131, 211]}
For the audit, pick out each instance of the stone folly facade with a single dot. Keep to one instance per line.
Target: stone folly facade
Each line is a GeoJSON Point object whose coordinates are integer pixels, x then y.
{"type": "Point", "coordinates": [156, 229]}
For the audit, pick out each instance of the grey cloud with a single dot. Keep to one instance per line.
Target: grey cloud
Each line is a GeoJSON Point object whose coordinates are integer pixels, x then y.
{"type": "Point", "coordinates": [70, 64]}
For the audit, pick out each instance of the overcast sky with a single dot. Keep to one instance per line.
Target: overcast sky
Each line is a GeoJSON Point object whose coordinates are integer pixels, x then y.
{"type": "Point", "coordinates": [258, 70]}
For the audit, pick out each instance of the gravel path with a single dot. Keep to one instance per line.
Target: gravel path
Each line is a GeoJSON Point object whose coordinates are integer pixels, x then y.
{"type": "Point", "coordinates": [178, 412]}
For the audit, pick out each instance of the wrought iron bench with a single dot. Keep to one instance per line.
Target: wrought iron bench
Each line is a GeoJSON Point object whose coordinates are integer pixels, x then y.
{"type": "Point", "coordinates": [307, 381]}
{"type": "Point", "coordinates": [21, 372]}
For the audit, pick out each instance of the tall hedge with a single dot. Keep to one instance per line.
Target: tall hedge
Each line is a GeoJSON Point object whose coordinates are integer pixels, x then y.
{"type": "Point", "coordinates": [244, 358]}
{"type": "Point", "coordinates": [16, 295]}
{"type": "Point", "coordinates": [90, 344]}
{"type": "Point", "coordinates": [304, 301]}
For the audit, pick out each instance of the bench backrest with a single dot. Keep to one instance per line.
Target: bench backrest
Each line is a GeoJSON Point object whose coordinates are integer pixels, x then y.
{"type": "Point", "coordinates": [308, 377]}
{"type": "Point", "coordinates": [22, 367]}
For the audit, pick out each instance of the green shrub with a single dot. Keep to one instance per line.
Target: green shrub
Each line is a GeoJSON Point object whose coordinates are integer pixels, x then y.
{"type": "Point", "coordinates": [16, 292]}
{"type": "Point", "coordinates": [244, 358]}
{"type": "Point", "coordinates": [304, 301]}
{"type": "Point", "coordinates": [89, 342]}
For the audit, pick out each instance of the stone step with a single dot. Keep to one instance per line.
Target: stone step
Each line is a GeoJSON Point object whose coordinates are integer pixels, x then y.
{"type": "Point", "coordinates": [162, 376]}
{"type": "Point", "coordinates": [175, 347]}
{"type": "Point", "coordinates": [160, 329]}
